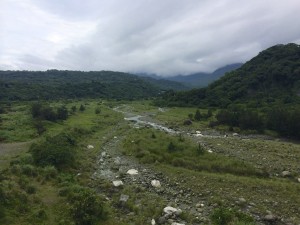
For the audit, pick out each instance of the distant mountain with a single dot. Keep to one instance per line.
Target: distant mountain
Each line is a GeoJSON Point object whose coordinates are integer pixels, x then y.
{"type": "Point", "coordinates": [204, 79]}
{"type": "Point", "coordinates": [55, 84]}
{"type": "Point", "coordinates": [271, 77]}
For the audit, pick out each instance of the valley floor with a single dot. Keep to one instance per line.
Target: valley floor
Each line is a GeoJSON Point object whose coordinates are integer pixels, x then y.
{"type": "Point", "coordinates": [253, 175]}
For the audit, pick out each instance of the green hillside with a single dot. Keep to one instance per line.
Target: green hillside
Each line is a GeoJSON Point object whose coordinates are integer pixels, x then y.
{"type": "Point", "coordinates": [55, 84]}
{"type": "Point", "coordinates": [271, 77]}
{"type": "Point", "coordinates": [263, 95]}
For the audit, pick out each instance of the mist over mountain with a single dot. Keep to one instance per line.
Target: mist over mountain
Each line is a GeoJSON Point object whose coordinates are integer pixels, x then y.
{"type": "Point", "coordinates": [203, 79]}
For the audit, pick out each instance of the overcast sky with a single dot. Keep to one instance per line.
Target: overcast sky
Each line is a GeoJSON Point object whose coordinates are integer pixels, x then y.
{"type": "Point", "coordinates": [165, 37]}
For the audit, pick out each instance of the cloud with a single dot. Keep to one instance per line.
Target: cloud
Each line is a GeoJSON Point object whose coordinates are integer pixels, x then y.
{"type": "Point", "coordinates": [167, 37]}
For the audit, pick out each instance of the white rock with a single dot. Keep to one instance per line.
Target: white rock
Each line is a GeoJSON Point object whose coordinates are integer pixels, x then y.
{"type": "Point", "coordinates": [235, 134]}
{"type": "Point", "coordinates": [115, 137]}
{"type": "Point", "coordinates": [286, 173]}
{"type": "Point", "coordinates": [132, 172]}
{"type": "Point", "coordinates": [177, 223]}
{"type": "Point", "coordinates": [153, 222]}
{"type": "Point", "coordinates": [299, 179]}
{"type": "Point", "coordinates": [172, 210]}
{"type": "Point", "coordinates": [198, 132]}
{"type": "Point", "coordinates": [103, 154]}
{"type": "Point", "coordinates": [155, 183]}
{"type": "Point", "coordinates": [118, 183]}
{"type": "Point", "coordinates": [209, 151]}
{"type": "Point", "coordinates": [90, 146]}
{"type": "Point", "coordinates": [124, 198]}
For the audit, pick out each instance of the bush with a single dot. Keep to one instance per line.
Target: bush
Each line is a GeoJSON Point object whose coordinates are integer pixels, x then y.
{"type": "Point", "coordinates": [50, 172]}
{"type": "Point", "coordinates": [97, 110]}
{"type": "Point", "coordinates": [224, 216]}
{"type": "Point", "coordinates": [55, 151]}
{"type": "Point", "coordinates": [86, 206]}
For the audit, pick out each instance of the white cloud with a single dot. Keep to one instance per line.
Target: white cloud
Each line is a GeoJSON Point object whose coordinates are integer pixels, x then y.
{"type": "Point", "coordinates": [164, 37]}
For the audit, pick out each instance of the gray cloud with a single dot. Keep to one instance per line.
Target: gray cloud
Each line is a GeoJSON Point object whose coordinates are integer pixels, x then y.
{"type": "Point", "coordinates": [164, 37]}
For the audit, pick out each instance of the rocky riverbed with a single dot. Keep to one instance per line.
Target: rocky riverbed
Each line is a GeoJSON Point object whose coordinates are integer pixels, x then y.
{"type": "Point", "coordinates": [121, 171]}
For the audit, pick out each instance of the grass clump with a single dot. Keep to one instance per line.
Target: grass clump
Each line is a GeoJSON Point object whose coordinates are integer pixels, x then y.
{"type": "Point", "coordinates": [224, 216]}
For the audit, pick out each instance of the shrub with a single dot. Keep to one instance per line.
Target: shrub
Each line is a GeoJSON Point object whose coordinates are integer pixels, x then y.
{"type": "Point", "coordinates": [86, 206]}
{"type": "Point", "coordinates": [57, 151]}
{"type": "Point", "coordinates": [224, 216]}
{"type": "Point", "coordinates": [30, 189]}
{"type": "Point", "coordinates": [82, 108]}
{"type": "Point", "coordinates": [97, 110]}
{"type": "Point", "coordinates": [29, 170]}
{"type": "Point", "coordinates": [221, 216]}
{"type": "Point", "coordinates": [198, 115]}
{"type": "Point", "coordinates": [50, 172]}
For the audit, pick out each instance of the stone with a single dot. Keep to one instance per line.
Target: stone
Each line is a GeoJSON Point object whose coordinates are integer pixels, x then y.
{"type": "Point", "coordinates": [155, 183]}
{"type": "Point", "coordinates": [235, 134]}
{"type": "Point", "coordinates": [286, 174]}
{"type": "Point", "coordinates": [299, 179]}
{"type": "Point", "coordinates": [171, 210]}
{"type": "Point", "coordinates": [132, 172]}
{"type": "Point", "coordinates": [124, 198]}
{"type": "Point", "coordinates": [117, 161]}
{"type": "Point", "coordinates": [241, 201]}
{"type": "Point", "coordinates": [90, 146]}
{"type": "Point", "coordinates": [162, 220]}
{"type": "Point", "coordinates": [153, 222]}
{"type": "Point", "coordinates": [118, 183]}
{"type": "Point", "coordinates": [103, 154]}
{"type": "Point", "coordinates": [270, 218]}
{"type": "Point", "coordinates": [187, 122]}
{"type": "Point", "coordinates": [175, 223]}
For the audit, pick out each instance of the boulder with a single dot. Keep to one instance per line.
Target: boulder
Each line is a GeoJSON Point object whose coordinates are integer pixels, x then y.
{"type": "Point", "coordinates": [155, 183]}
{"type": "Point", "coordinates": [286, 174]}
{"type": "Point", "coordinates": [118, 183]}
{"type": "Point", "coordinates": [270, 218]}
{"type": "Point", "coordinates": [153, 222]}
{"type": "Point", "coordinates": [132, 172]}
{"type": "Point", "coordinates": [172, 211]}
{"type": "Point", "coordinates": [90, 147]}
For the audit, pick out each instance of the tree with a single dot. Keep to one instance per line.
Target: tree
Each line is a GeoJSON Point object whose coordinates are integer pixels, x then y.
{"type": "Point", "coordinates": [62, 113]}
{"type": "Point", "coordinates": [74, 108]}
{"type": "Point", "coordinates": [198, 115]}
{"type": "Point", "coordinates": [82, 108]}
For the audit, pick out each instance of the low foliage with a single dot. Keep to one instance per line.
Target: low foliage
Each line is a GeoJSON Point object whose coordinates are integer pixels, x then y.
{"type": "Point", "coordinates": [180, 152]}
{"type": "Point", "coordinates": [58, 151]}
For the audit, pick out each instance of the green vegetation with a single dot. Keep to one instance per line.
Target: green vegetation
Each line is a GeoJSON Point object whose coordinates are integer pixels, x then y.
{"type": "Point", "coordinates": [268, 81]}
{"type": "Point", "coordinates": [224, 216]}
{"type": "Point", "coordinates": [54, 84]}
{"type": "Point", "coordinates": [51, 173]}
{"type": "Point", "coordinates": [180, 152]}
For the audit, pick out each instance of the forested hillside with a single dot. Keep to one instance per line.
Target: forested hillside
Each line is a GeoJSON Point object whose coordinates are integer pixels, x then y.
{"type": "Point", "coordinates": [264, 94]}
{"type": "Point", "coordinates": [271, 77]}
{"type": "Point", "coordinates": [55, 84]}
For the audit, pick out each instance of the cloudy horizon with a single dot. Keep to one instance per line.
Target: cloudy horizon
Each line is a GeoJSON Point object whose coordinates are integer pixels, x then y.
{"type": "Point", "coordinates": [167, 37]}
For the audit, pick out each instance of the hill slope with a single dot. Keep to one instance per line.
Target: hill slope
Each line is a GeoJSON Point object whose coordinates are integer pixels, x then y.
{"type": "Point", "coordinates": [54, 84]}
{"type": "Point", "coordinates": [272, 76]}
